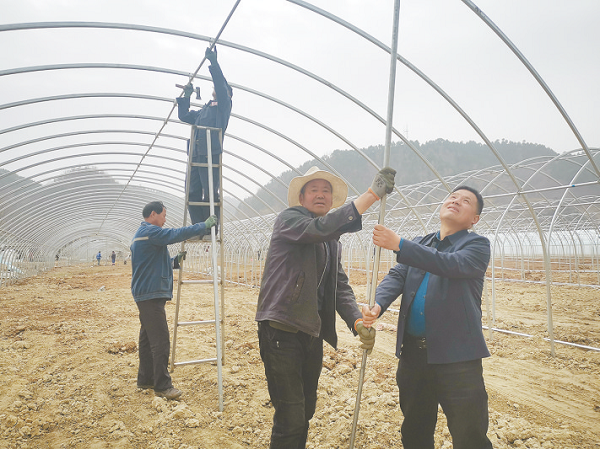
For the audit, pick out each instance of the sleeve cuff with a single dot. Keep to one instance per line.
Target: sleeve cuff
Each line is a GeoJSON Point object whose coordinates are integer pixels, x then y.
{"type": "Point", "coordinates": [374, 194]}
{"type": "Point", "coordinates": [399, 246]}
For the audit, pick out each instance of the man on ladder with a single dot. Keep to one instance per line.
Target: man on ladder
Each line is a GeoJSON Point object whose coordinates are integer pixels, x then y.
{"type": "Point", "coordinates": [214, 114]}
{"type": "Point", "coordinates": [204, 151]}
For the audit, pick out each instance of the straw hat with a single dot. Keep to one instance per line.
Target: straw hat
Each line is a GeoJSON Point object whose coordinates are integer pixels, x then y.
{"type": "Point", "coordinates": [339, 187]}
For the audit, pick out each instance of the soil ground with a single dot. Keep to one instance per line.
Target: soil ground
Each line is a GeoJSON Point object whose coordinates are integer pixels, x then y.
{"type": "Point", "coordinates": [68, 364]}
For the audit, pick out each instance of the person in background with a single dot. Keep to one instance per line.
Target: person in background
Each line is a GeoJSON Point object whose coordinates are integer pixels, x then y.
{"type": "Point", "coordinates": [151, 287]}
{"type": "Point", "coordinates": [303, 286]}
{"type": "Point", "coordinates": [113, 257]}
{"type": "Point", "coordinates": [99, 257]}
{"type": "Point", "coordinates": [214, 114]}
{"type": "Point", "coordinates": [440, 343]}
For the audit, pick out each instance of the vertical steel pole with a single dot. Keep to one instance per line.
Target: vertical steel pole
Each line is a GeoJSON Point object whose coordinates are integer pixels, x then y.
{"type": "Point", "coordinates": [190, 158]}
{"type": "Point", "coordinates": [215, 265]}
{"type": "Point", "coordinates": [386, 161]}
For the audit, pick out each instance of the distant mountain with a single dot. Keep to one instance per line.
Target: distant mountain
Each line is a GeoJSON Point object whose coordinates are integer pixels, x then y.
{"type": "Point", "coordinates": [448, 158]}
{"type": "Point", "coordinates": [21, 198]}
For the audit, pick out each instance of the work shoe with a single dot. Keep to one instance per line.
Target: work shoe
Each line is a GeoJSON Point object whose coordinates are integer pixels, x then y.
{"type": "Point", "coordinates": [169, 393]}
{"type": "Point", "coordinates": [145, 387]}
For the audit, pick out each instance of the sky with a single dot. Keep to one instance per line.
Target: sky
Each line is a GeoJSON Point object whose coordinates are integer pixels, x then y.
{"type": "Point", "coordinates": [444, 39]}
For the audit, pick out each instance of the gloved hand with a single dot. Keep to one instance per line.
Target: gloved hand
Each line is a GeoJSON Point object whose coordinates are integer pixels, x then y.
{"type": "Point", "coordinates": [187, 90]}
{"type": "Point", "coordinates": [181, 257]}
{"type": "Point", "coordinates": [210, 222]}
{"type": "Point", "coordinates": [383, 183]}
{"type": "Point", "coordinates": [366, 335]}
{"type": "Point", "coordinates": [211, 55]}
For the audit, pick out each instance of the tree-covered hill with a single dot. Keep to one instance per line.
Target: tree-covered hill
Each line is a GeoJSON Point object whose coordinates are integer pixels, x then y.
{"type": "Point", "coordinates": [447, 157]}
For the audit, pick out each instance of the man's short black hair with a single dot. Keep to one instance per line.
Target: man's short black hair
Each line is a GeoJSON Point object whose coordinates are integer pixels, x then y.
{"type": "Point", "coordinates": [474, 192]}
{"type": "Point", "coordinates": [154, 206]}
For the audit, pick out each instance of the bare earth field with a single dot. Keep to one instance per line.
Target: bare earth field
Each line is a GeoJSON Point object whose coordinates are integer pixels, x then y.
{"type": "Point", "coordinates": [68, 364]}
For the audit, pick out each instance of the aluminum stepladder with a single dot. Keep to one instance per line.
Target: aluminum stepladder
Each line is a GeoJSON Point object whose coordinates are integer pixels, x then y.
{"type": "Point", "coordinates": [216, 248]}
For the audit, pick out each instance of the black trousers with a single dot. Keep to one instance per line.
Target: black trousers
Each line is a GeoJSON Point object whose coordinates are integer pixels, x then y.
{"type": "Point", "coordinates": [457, 387]}
{"type": "Point", "coordinates": [293, 363]}
{"type": "Point", "coordinates": [199, 189]}
{"type": "Point", "coordinates": [154, 345]}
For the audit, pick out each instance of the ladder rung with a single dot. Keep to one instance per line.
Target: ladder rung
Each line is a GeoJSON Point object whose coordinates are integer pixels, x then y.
{"type": "Point", "coordinates": [192, 362]}
{"type": "Point", "coordinates": [203, 203]}
{"type": "Point", "coordinates": [191, 323]}
{"type": "Point", "coordinates": [203, 164]}
{"type": "Point", "coordinates": [205, 239]}
{"type": "Point", "coordinates": [197, 281]}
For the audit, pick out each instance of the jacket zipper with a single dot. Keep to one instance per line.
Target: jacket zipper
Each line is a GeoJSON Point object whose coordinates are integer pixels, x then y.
{"type": "Point", "coordinates": [326, 263]}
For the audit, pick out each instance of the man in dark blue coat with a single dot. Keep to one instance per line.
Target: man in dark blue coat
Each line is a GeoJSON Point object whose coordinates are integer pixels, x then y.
{"type": "Point", "coordinates": [440, 343]}
{"type": "Point", "coordinates": [214, 114]}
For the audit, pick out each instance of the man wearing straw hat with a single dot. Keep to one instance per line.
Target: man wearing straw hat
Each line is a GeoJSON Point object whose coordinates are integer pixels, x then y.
{"type": "Point", "coordinates": [302, 287]}
{"type": "Point", "coordinates": [440, 343]}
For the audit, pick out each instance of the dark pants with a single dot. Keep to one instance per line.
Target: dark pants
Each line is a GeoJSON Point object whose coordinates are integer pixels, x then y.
{"type": "Point", "coordinates": [293, 363]}
{"type": "Point", "coordinates": [154, 346]}
{"type": "Point", "coordinates": [199, 189]}
{"type": "Point", "coordinates": [457, 387]}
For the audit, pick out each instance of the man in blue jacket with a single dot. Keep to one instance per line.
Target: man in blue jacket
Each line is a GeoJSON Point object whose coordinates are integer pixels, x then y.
{"type": "Point", "coordinates": [151, 287]}
{"type": "Point", "coordinates": [440, 343]}
{"type": "Point", "coordinates": [302, 288]}
{"type": "Point", "coordinates": [214, 114]}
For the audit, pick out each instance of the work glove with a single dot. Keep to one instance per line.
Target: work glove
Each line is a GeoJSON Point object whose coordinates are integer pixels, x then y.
{"type": "Point", "coordinates": [210, 222]}
{"type": "Point", "coordinates": [181, 257]}
{"type": "Point", "coordinates": [211, 55]}
{"type": "Point", "coordinates": [187, 90]}
{"type": "Point", "coordinates": [366, 335]}
{"type": "Point", "coordinates": [383, 183]}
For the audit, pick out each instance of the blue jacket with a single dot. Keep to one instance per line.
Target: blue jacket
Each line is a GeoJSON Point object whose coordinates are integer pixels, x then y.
{"type": "Point", "coordinates": [453, 298]}
{"type": "Point", "coordinates": [151, 264]}
{"type": "Point", "coordinates": [214, 114]}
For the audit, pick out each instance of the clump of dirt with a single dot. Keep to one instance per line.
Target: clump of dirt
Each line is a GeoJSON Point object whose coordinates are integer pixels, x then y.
{"type": "Point", "coordinates": [120, 348]}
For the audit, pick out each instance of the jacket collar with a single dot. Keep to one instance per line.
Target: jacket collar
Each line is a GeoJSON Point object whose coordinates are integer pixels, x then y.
{"type": "Point", "coordinates": [304, 211]}
{"type": "Point", "coordinates": [453, 238]}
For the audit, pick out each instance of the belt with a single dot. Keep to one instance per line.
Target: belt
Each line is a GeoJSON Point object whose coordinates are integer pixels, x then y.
{"type": "Point", "coordinates": [283, 327]}
{"type": "Point", "coordinates": [418, 342]}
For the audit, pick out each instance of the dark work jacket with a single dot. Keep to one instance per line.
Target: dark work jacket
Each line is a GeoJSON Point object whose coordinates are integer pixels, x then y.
{"type": "Point", "coordinates": [453, 298]}
{"type": "Point", "coordinates": [288, 292]}
{"type": "Point", "coordinates": [214, 114]}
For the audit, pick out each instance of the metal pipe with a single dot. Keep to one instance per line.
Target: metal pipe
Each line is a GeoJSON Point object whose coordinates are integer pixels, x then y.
{"type": "Point", "coordinates": [386, 159]}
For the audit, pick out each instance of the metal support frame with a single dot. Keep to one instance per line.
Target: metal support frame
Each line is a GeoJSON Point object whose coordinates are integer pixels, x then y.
{"type": "Point", "coordinates": [386, 158]}
{"type": "Point", "coordinates": [218, 268]}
